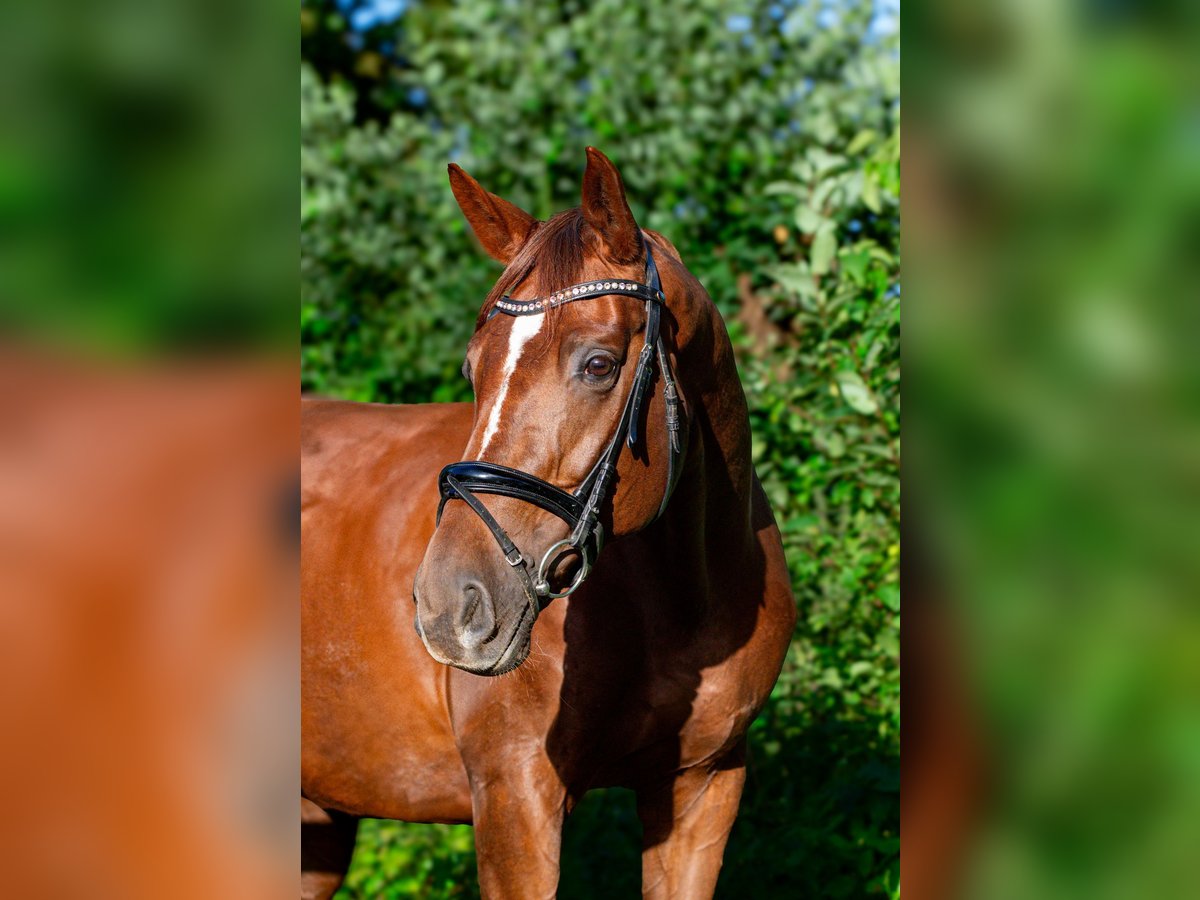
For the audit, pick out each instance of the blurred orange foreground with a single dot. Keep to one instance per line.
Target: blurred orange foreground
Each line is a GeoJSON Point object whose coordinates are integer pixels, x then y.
{"type": "Point", "coordinates": [148, 680]}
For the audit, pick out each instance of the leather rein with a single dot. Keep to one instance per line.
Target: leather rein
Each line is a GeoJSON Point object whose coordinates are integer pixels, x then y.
{"type": "Point", "coordinates": [580, 509]}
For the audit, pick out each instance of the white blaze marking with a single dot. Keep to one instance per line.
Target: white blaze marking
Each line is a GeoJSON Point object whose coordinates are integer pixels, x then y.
{"type": "Point", "coordinates": [523, 329]}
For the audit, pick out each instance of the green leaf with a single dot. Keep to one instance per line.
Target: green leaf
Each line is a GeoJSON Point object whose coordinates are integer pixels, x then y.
{"type": "Point", "coordinates": [856, 394]}
{"type": "Point", "coordinates": [824, 248]}
{"type": "Point", "coordinates": [870, 195]}
{"type": "Point", "coordinates": [861, 142]}
{"type": "Point", "coordinates": [808, 219]}
{"type": "Point", "coordinates": [831, 443]}
{"type": "Point", "coordinates": [889, 596]}
{"type": "Point", "coordinates": [786, 187]}
{"type": "Point", "coordinates": [855, 265]}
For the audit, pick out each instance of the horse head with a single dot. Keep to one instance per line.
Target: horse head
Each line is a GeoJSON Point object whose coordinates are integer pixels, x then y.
{"type": "Point", "coordinates": [578, 434]}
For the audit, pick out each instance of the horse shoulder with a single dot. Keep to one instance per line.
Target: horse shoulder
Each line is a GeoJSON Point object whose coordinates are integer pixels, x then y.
{"type": "Point", "coordinates": [757, 627]}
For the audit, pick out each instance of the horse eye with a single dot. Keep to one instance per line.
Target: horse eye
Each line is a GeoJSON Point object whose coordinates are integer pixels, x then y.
{"type": "Point", "coordinates": [466, 369]}
{"type": "Point", "coordinates": [599, 366]}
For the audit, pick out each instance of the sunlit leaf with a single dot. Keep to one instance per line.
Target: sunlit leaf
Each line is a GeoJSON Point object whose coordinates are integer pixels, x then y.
{"type": "Point", "coordinates": [824, 248]}
{"type": "Point", "coordinates": [856, 394]}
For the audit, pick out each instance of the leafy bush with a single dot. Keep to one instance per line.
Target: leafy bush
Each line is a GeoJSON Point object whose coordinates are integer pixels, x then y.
{"type": "Point", "coordinates": [822, 376]}
{"type": "Point", "coordinates": [393, 860]}
{"type": "Point", "coordinates": [762, 138]}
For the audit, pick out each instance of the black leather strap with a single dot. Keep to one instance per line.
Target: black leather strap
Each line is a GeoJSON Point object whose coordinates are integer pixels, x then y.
{"type": "Point", "coordinates": [491, 478]}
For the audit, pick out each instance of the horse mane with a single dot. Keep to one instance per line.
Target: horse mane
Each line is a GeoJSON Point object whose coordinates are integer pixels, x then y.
{"type": "Point", "coordinates": [555, 249]}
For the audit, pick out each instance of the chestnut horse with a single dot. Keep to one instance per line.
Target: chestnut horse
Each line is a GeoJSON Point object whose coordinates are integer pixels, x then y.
{"type": "Point", "coordinates": [649, 675]}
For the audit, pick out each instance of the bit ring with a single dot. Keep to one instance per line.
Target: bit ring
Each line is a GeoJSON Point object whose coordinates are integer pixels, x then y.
{"type": "Point", "coordinates": [551, 556]}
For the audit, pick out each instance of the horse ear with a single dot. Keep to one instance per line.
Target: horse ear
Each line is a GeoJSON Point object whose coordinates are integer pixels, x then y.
{"type": "Point", "coordinates": [501, 227]}
{"type": "Point", "coordinates": [606, 210]}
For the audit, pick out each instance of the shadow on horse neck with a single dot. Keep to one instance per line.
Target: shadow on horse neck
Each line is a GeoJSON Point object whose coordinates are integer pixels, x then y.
{"type": "Point", "coordinates": [677, 599]}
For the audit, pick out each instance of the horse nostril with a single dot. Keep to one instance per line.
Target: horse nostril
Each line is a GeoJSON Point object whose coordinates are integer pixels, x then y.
{"type": "Point", "coordinates": [473, 594]}
{"type": "Point", "coordinates": [478, 616]}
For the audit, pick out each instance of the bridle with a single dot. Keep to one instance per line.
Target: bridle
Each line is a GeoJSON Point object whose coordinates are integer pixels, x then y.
{"type": "Point", "coordinates": [581, 509]}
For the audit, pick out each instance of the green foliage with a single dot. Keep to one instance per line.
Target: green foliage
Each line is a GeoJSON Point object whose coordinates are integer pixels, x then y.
{"type": "Point", "coordinates": [822, 377]}
{"type": "Point", "coordinates": [763, 140]}
{"type": "Point", "coordinates": [386, 300]}
{"type": "Point", "coordinates": [395, 859]}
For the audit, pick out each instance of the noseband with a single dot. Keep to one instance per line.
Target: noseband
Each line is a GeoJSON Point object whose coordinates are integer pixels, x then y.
{"type": "Point", "coordinates": [581, 509]}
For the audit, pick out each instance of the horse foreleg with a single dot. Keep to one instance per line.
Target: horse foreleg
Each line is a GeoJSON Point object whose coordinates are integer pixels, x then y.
{"type": "Point", "coordinates": [326, 845]}
{"type": "Point", "coordinates": [518, 818]}
{"type": "Point", "coordinates": [685, 825]}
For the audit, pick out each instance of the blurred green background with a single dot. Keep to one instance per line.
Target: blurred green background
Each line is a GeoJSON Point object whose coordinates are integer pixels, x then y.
{"type": "Point", "coordinates": [145, 188]}
{"type": "Point", "coordinates": [1052, 211]}
{"type": "Point", "coordinates": [763, 139]}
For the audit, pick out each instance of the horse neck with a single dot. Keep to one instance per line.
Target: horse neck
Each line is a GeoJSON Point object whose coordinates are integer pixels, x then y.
{"type": "Point", "coordinates": [710, 514]}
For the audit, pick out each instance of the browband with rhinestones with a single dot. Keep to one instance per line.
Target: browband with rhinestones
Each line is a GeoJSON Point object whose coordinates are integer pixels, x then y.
{"type": "Point", "coordinates": [585, 291]}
